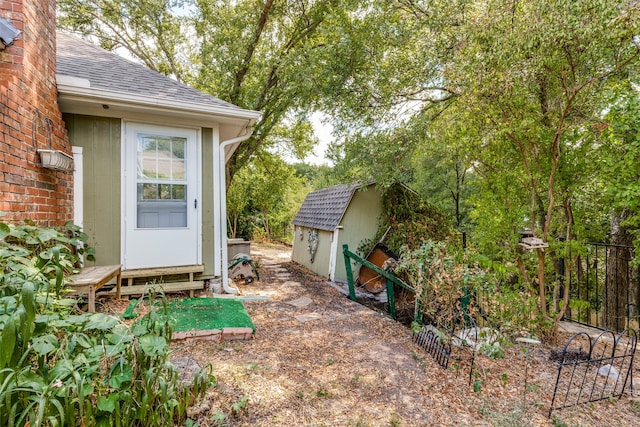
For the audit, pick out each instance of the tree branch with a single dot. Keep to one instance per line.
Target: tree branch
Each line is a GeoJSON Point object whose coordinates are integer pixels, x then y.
{"type": "Point", "coordinates": [244, 68]}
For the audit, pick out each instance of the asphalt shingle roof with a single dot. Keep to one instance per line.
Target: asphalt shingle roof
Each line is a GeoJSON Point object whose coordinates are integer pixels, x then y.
{"type": "Point", "coordinates": [111, 72]}
{"type": "Point", "coordinates": [323, 209]}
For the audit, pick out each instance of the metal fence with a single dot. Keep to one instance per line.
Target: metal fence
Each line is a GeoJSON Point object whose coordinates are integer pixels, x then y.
{"type": "Point", "coordinates": [591, 301]}
{"type": "Point", "coordinates": [594, 369]}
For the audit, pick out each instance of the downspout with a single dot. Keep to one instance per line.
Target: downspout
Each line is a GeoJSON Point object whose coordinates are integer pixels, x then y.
{"type": "Point", "coordinates": [224, 255]}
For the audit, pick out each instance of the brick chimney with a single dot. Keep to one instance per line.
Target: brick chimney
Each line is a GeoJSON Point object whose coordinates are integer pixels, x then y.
{"type": "Point", "coordinates": [30, 118]}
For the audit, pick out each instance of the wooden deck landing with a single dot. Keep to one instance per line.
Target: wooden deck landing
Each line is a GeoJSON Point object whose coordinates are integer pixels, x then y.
{"type": "Point", "coordinates": [155, 278]}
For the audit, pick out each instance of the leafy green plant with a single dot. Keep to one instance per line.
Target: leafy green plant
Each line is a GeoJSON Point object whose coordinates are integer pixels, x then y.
{"type": "Point", "coordinates": [395, 420]}
{"type": "Point", "coordinates": [504, 378]}
{"type": "Point", "coordinates": [557, 422]}
{"type": "Point", "coordinates": [58, 367]}
{"type": "Point", "coordinates": [494, 350]}
{"type": "Point", "coordinates": [322, 392]}
{"type": "Point", "coordinates": [480, 379]}
{"type": "Point", "coordinates": [410, 220]}
{"type": "Point", "coordinates": [218, 418]}
{"type": "Point", "coordinates": [441, 281]}
{"type": "Point", "coordinates": [240, 406]}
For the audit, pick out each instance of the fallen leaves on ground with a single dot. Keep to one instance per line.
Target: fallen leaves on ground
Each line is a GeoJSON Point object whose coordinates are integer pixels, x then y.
{"type": "Point", "coordinates": [344, 364]}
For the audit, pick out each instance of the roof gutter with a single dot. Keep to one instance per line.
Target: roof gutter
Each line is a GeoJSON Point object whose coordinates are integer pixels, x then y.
{"type": "Point", "coordinates": [224, 255]}
{"type": "Point", "coordinates": [75, 90]}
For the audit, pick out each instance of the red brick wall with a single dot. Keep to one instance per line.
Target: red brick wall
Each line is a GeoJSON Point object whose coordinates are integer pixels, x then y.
{"type": "Point", "coordinates": [30, 119]}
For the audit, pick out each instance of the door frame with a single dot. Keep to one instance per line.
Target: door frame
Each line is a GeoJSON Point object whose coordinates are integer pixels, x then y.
{"type": "Point", "coordinates": [165, 128]}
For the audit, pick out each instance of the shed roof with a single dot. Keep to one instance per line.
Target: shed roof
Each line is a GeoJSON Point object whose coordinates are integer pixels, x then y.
{"type": "Point", "coordinates": [101, 69]}
{"type": "Point", "coordinates": [324, 209]}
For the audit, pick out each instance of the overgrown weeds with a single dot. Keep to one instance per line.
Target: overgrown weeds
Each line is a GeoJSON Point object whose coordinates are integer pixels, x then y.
{"type": "Point", "coordinates": [454, 288]}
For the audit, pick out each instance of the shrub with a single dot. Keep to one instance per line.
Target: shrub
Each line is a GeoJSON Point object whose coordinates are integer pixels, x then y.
{"type": "Point", "coordinates": [442, 284]}
{"type": "Point", "coordinates": [58, 367]}
{"type": "Point", "coordinates": [451, 287]}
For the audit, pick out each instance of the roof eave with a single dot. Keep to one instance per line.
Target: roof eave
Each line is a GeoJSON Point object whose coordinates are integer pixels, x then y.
{"type": "Point", "coordinates": [355, 188]}
{"type": "Point", "coordinates": [74, 94]}
{"type": "Point", "coordinates": [316, 226]}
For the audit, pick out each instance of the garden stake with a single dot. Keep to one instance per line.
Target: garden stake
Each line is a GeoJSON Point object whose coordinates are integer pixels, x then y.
{"type": "Point", "coordinates": [526, 342]}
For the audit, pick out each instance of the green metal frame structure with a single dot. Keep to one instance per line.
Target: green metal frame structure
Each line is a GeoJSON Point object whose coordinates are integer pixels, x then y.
{"type": "Point", "coordinates": [390, 279]}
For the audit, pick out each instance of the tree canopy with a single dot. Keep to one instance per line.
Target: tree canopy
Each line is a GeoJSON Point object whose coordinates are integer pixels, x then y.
{"type": "Point", "coordinates": [506, 114]}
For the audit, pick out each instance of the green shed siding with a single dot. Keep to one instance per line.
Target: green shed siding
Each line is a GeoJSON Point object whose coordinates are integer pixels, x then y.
{"type": "Point", "coordinates": [100, 139]}
{"type": "Point", "coordinates": [300, 252]}
{"type": "Point", "coordinates": [359, 223]}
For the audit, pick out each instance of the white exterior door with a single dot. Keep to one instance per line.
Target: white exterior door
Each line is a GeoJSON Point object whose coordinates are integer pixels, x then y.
{"type": "Point", "coordinates": [162, 197]}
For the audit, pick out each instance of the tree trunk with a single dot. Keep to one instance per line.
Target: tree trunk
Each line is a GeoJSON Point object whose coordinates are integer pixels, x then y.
{"type": "Point", "coordinates": [235, 225]}
{"type": "Point", "coordinates": [267, 228]}
{"type": "Point", "coordinates": [541, 283]}
{"type": "Point", "coordinates": [616, 295]}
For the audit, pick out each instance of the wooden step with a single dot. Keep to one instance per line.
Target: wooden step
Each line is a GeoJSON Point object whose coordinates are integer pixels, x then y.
{"type": "Point", "coordinates": [156, 275]}
{"type": "Point", "coordinates": [166, 287]}
{"type": "Point", "coordinates": [162, 271]}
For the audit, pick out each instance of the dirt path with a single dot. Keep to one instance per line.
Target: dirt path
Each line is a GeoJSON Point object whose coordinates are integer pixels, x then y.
{"type": "Point", "coordinates": [319, 359]}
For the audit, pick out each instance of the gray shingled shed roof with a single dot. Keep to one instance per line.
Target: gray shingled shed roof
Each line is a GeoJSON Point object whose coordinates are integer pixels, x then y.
{"type": "Point", "coordinates": [105, 70]}
{"type": "Point", "coordinates": [323, 209]}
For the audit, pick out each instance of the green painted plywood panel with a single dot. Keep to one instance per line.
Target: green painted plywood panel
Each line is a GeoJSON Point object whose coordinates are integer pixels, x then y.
{"type": "Point", "coordinates": [208, 228]}
{"type": "Point", "coordinates": [100, 139]}
{"type": "Point", "coordinates": [360, 222]}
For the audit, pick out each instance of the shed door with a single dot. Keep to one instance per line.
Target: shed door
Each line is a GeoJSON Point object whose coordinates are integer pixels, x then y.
{"type": "Point", "coordinates": [161, 197]}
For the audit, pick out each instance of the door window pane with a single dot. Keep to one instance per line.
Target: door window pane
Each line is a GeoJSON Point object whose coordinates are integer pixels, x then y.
{"type": "Point", "coordinates": [162, 186]}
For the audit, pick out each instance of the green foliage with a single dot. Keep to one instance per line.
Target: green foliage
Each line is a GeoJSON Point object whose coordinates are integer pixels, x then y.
{"type": "Point", "coordinates": [240, 406]}
{"type": "Point", "coordinates": [494, 350]}
{"type": "Point", "coordinates": [317, 177]}
{"type": "Point", "coordinates": [149, 30]}
{"type": "Point", "coordinates": [504, 377]}
{"type": "Point", "coordinates": [529, 80]}
{"type": "Point", "coordinates": [620, 157]}
{"type": "Point", "coordinates": [508, 307]}
{"type": "Point", "coordinates": [557, 422]}
{"type": "Point", "coordinates": [62, 368]}
{"type": "Point", "coordinates": [410, 220]}
{"type": "Point", "coordinates": [29, 252]}
{"type": "Point", "coordinates": [263, 200]}
{"type": "Point", "coordinates": [443, 172]}
{"type": "Point", "coordinates": [296, 55]}
{"type": "Point", "coordinates": [451, 287]}
{"type": "Point", "coordinates": [440, 282]}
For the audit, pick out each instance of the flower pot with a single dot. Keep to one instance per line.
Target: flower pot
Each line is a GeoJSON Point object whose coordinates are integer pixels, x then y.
{"type": "Point", "coordinates": [56, 159]}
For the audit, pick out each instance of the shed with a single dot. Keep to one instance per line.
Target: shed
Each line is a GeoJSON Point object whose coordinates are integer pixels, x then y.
{"type": "Point", "coordinates": [330, 218]}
